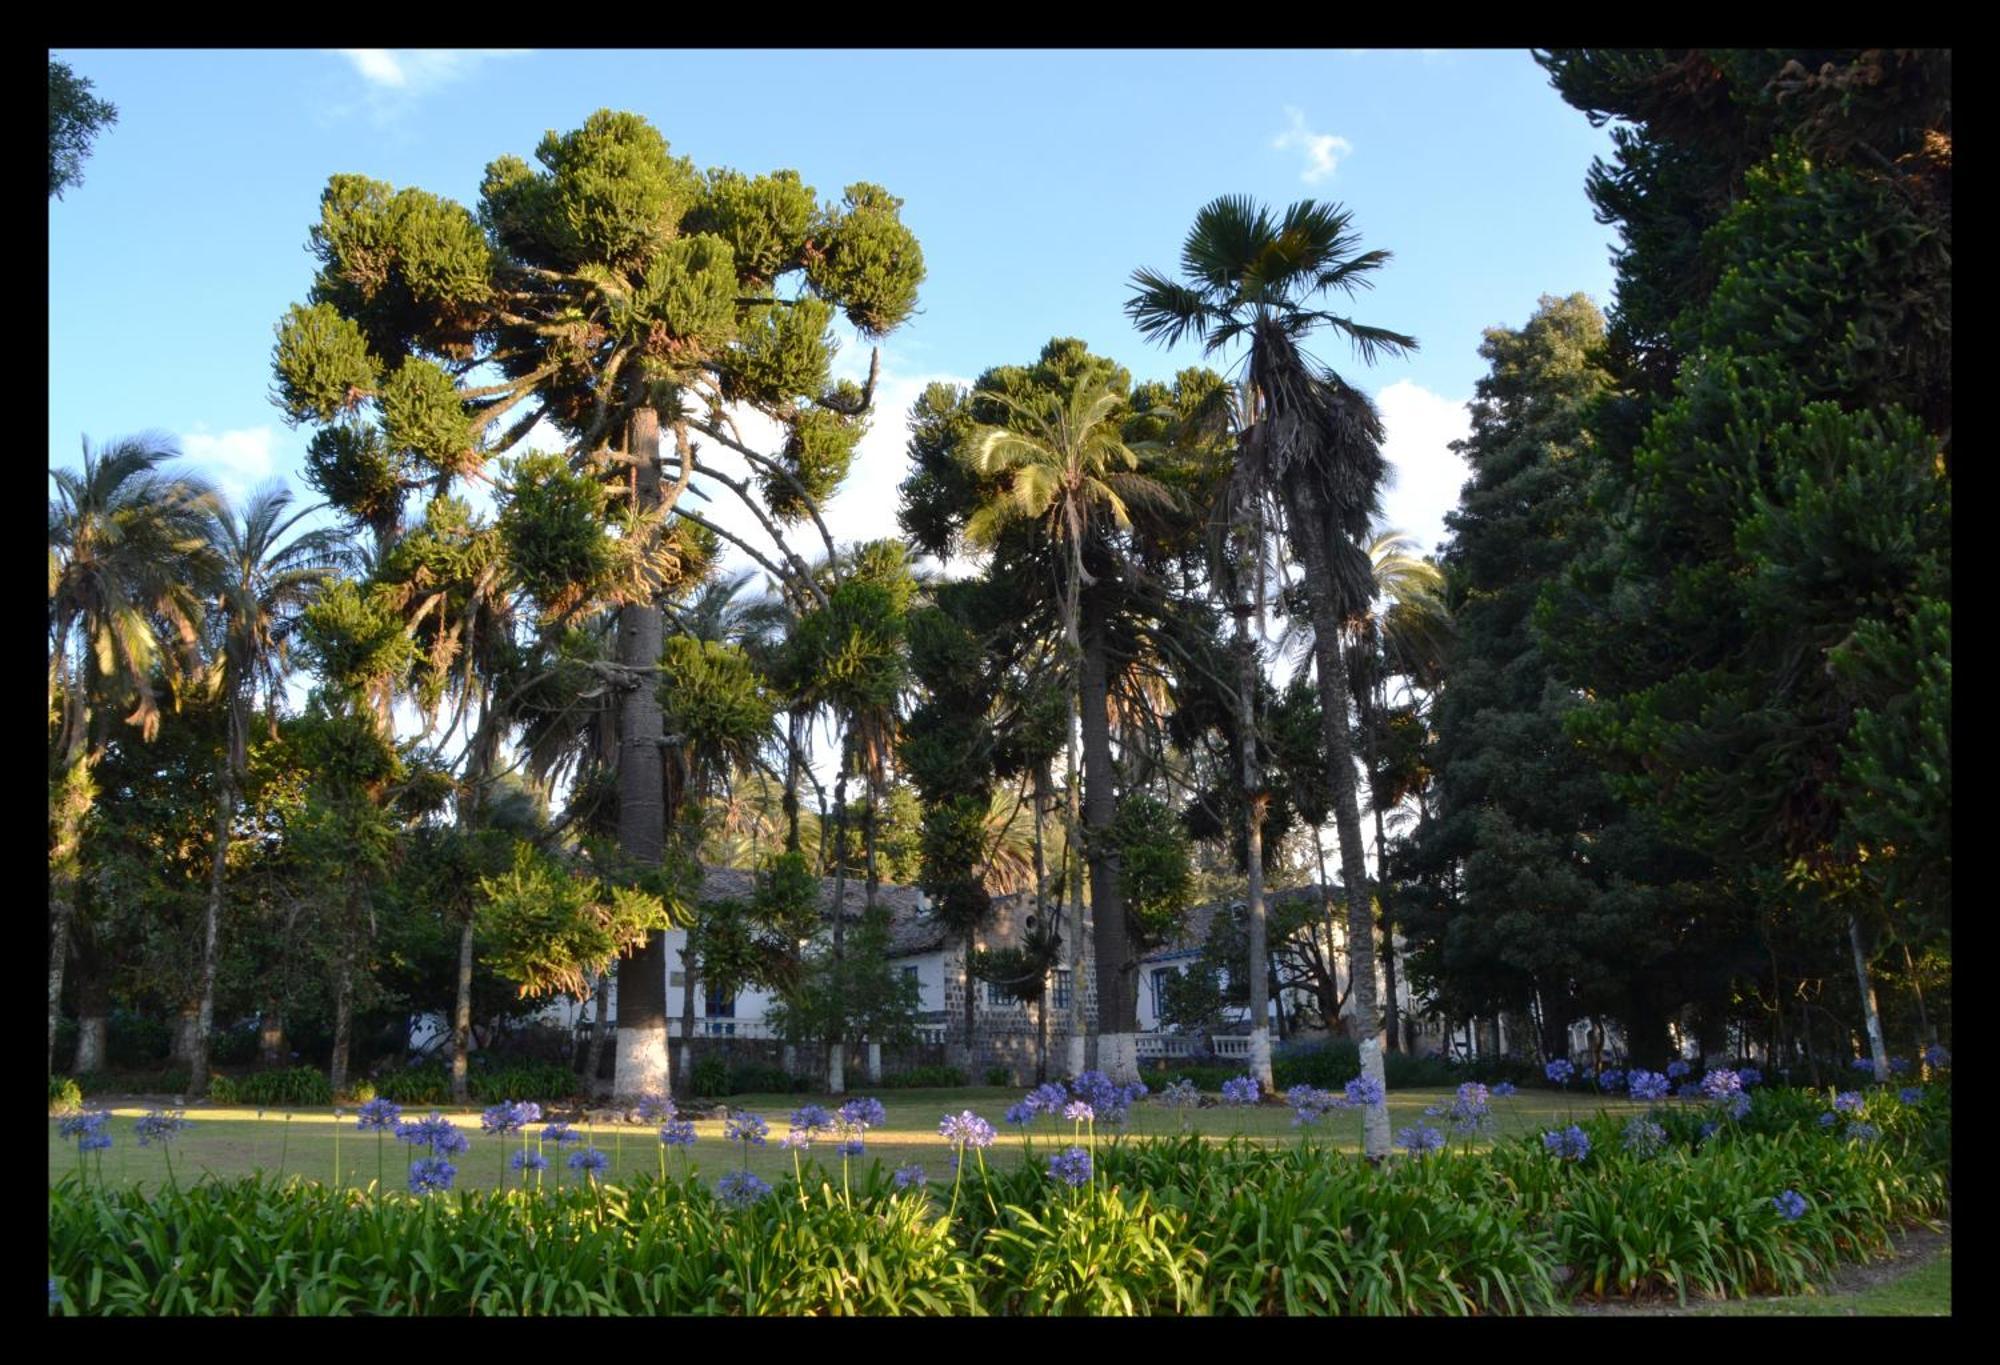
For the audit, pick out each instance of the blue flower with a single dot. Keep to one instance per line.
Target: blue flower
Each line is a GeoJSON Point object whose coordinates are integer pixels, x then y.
{"type": "Point", "coordinates": [1647, 1085]}
{"type": "Point", "coordinates": [864, 1113]}
{"type": "Point", "coordinates": [655, 1109]}
{"type": "Point", "coordinates": [1559, 1071]}
{"type": "Point", "coordinates": [1643, 1137]}
{"type": "Point", "coordinates": [1862, 1132]}
{"type": "Point", "coordinates": [94, 1142]}
{"type": "Point", "coordinates": [1240, 1090]}
{"type": "Point", "coordinates": [812, 1120]}
{"type": "Point", "coordinates": [1420, 1138]}
{"type": "Point", "coordinates": [561, 1134]}
{"type": "Point", "coordinates": [1827, 1120]}
{"type": "Point", "coordinates": [530, 1161]}
{"type": "Point", "coordinates": [590, 1160]}
{"type": "Point", "coordinates": [1721, 1083]}
{"type": "Point", "coordinates": [87, 1128]}
{"type": "Point", "coordinates": [437, 1132]}
{"type": "Point", "coordinates": [1047, 1099]}
{"type": "Point", "coordinates": [1677, 1068]}
{"type": "Point", "coordinates": [1571, 1143]}
{"type": "Point", "coordinates": [432, 1175]}
{"type": "Point", "coordinates": [966, 1129]}
{"type": "Point", "coordinates": [161, 1126]}
{"type": "Point", "coordinates": [795, 1140]}
{"type": "Point", "coordinates": [502, 1118]}
{"type": "Point", "coordinates": [1072, 1167]}
{"type": "Point", "coordinates": [1610, 1080]}
{"type": "Point", "coordinates": [1310, 1105]}
{"type": "Point", "coordinates": [1866, 1064]}
{"type": "Point", "coordinates": [1936, 1057]}
{"type": "Point", "coordinates": [1020, 1114]}
{"type": "Point", "coordinates": [907, 1176]}
{"type": "Point", "coordinates": [1911, 1094]}
{"type": "Point", "coordinates": [1365, 1091]}
{"type": "Point", "coordinates": [378, 1116]}
{"type": "Point", "coordinates": [1690, 1090]}
{"type": "Point", "coordinates": [1708, 1130]}
{"type": "Point", "coordinates": [1739, 1106]}
{"type": "Point", "coordinates": [1899, 1065]}
{"type": "Point", "coordinates": [748, 1129]}
{"type": "Point", "coordinates": [849, 1147]}
{"type": "Point", "coordinates": [1847, 1102]}
{"type": "Point", "coordinates": [1750, 1076]}
{"type": "Point", "coordinates": [740, 1189]}
{"type": "Point", "coordinates": [1503, 1089]}
{"type": "Point", "coordinates": [1076, 1111]}
{"type": "Point", "coordinates": [678, 1134]}
{"type": "Point", "coordinates": [1791, 1204]}
{"type": "Point", "coordinates": [1110, 1103]}
{"type": "Point", "coordinates": [55, 1294]}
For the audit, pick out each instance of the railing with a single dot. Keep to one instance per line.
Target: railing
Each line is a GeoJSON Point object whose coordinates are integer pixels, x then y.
{"type": "Point", "coordinates": [1237, 1046]}
{"type": "Point", "coordinates": [1163, 1045]}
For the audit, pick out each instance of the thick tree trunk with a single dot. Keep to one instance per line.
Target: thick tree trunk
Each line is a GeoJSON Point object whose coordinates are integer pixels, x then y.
{"type": "Point", "coordinates": [685, 1076]}
{"type": "Point", "coordinates": [1041, 781]}
{"type": "Point", "coordinates": [1391, 1011]}
{"type": "Point", "coordinates": [836, 1068]}
{"type": "Point", "coordinates": [1311, 529]}
{"type": "Point", "coordinates": [461, 1021]}
{"type": "Point", "coordinates": [1117, 968]}
{"type": "Point", "coordinates": [71, 804]}
{"type": "Point", "coordinates": [1254, 804]}
{"type": "Point", "coordinates": [1878, 1048]}
{"type": "Point", "coordinates": [343, 1022]}
{"type": "Point", "coordinates": [91, 1030]}
{"type": "Point", "coordinates": [795, 741]}
{"type": "Point", "coordinates": [640, 1065]}
{"type": "Point", "coordinates": [225, 817]}
{"type": "Point", "coordinates": [181, 1049]}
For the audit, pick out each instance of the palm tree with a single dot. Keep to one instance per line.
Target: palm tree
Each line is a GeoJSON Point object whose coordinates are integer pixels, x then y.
{"type": "Point", "coordinates": [264, 581]}
{"type": "Point", "coordinates": [1312, 443]}
{"type": "Point", "coordinates": [1067, 467]}
{"type": "Point", "coordinates": [128, 563]}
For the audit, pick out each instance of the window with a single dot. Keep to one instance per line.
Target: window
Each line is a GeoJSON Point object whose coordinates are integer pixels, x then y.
{"type": "Point", "coordinates": [1061, 992]}
{"type": "Point", "coordinates": [1158, 981]}
{"type": "Point", "coordinates": [997, 995]}
{"type": "Point", "coordinates": [721, 1006]}
{"type": "Point", "coordinates": [910, 975]}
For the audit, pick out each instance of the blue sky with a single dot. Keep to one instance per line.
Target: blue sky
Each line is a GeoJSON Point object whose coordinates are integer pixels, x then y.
{"type": "Point", "coordinates": [1036, 182]}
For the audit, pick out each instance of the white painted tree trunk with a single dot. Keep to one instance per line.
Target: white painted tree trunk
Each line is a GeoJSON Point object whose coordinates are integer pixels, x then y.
{"type": "Point", "coordinates": [874, 1063]}
{"type": "Point", "coordinates": [640, 1063]}
{"type": "Point", "coordinates": [836, 1069]}
{"type": "Point", "coordinates": [1074, 1056]}
{"type": "Point", "coordinates": [1260, 1059]}
{"type": "Point", "coordinates": [1118, 1057]}
{"type": "Point", "coordinates": [90, 1033]}
{"type": "Point", "coordinates": [1375, 1120]}
{"type": "Point", "coordinates": [1878, 1049]}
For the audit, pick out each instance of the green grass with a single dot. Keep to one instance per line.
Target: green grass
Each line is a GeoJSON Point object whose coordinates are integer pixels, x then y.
{"type": "Point", "coordinates": [230, 1142]}
{"type": "Point", "coordinates": [1922, 1292]}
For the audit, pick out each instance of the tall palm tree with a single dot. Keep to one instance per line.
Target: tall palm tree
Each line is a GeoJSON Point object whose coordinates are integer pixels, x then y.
{"type": "Point", "coordinates": [265, 579]}
{"type": "Point", "coordinates": [1311, 443]}
{"type": "Point", "coordinates": [1068, 468]}
{"type": "Point", "coordinates": [128, 564]}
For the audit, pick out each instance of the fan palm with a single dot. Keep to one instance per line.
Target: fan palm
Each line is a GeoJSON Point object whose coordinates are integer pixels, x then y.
{"type": "Point", "coordinates": [128, 561]}
{"type": "Point", "coordinates": [1067, 467]}
{"type": "Point", "coordinates": [1311, 442]}
{"type": "Point", "coordinates": [265, 579]}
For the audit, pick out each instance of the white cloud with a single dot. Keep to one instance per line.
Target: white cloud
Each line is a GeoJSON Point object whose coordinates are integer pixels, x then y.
{"type": "Point", "coordinates": [1419, 426]}
{"type": "Point", "coordinates": [237, 461]}
{"type": "Point", "coordinates": [418, 70]}
{"type": "Point", "coordinates": [1322, 150]}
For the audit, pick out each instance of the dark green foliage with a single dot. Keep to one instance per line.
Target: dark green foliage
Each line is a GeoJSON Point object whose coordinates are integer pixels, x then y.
{"type": "Point", "coordinates": [1154, 873]}
{"type": "Point", "coordinates": [137, 1082]}
{"type": "Point", "coordinates": [553, 525]}
{"type": "Point", "coordinates": [924, 1078]}
{"type": "Point", "coordinates": [324, 369]}
{"type": "Point", "coordinates": [65, 1095]}
{"type": "Point", "coordinates": [866, 261]}
{"type": "Point", "coordinates": [75, 118]}
{"type": "Point", "coordinates": [715, 1075]}
{"type": "Point", "coordinates": [294, 1087]}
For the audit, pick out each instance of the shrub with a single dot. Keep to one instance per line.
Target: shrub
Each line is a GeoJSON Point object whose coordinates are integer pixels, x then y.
{"type": "Point", "coordinates": [360, 1092]}
{"type": "Point", "coordinates": [133, 1042]}
{"type": "Point", "coordinates": [65, 1095]}
{"type": "Point", "coordinates": [925, 1078]}
{"type": "Point", "coordinates": [522, 1081]}
{"type": "Point", "coordinates": [426, 1084]}
{"type": "Point", "coordinates": [222, 1089]}
{"type": "Point", "coordinates": [233, 1047]}
{"type": "Point", "coordinates": [999, 1075]}
{"type": "Point", "coordinates": [133, 1082]}
{"type": "Point", "coordinates": [711, 1077]}
{"type": "Point", "coordinates": [294, 1087]}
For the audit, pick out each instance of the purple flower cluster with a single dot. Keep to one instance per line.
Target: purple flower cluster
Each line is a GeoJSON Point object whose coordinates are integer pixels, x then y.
{"type": "Point", "coordinates": [1111, 1103]}
{"type": "Point", "coordinates": [1310, 1105]}
{"type": "Point", "coordinates": [740, 1189]}
{"type": "Point", "coordinates": [1047, 1099]}
{"type": "Point", "coordinates": [852, 1146]}
{"type": "Point", "coordinates": [966, 1129]}
{"type": "Point", "coordinates": [431, 1175]}
{"type": "Point", "coordinates": [1862, 1132]}
{"type": "Point", "coordinates": [1240, 1090]}
{"type": "Point", "coordinates": [1182, 1094]}
{"type": "Point", "coordinates": [1364, 1091]}
{"type": "Point", "coordinates": [378, 1116]}
{"type": "Point", "coordinates": [1677, 1068]}
{"type": "Point", "coordinates": [1739, 1106]}
{"type": "Point", "coordinates": [1420, 1138]}
{"type": "Point", "coordinates": [509, 1117]}
{"type": "Point", "coordinates": [1643, 1137]}
{"type": "Point", "coordinates": [88, 1130]}
{"type": "Point", "coordinates": [530, 1161]}
{"type": "Point", "coordinates": [679, 1133]}
{"type": "Point", "coordinates": [161, 1126]}
{"type": "Point", "coordinates": [1750, 1076]}
{"type": "Point", "coordinates": [561, 1134]}
{"type": "Point", "coordinates": [863, 1113]}
{"type": "Point", "coordinates": [436, 1133]}
{"type": "Point", "coordinates": [1690, 1090]}
{"type": "Point", "coordinates": [1828, 1120]}
{"type": "Point", "coordinates": [1647, 1085]}
{"type": "Point", "coordinates": [1911, 1094]}
{"type": "Point", "coordinates": [1721, 1083]}
{"type": "Point", "coordinates": [808, 1122]}
{"type": "Point", "coordinates": [1021, 1113]}
{"type": "Point", "coordinates": [1899, 1065]}
{"type": "Point", "coordinates": [590, 1161]}
{"type": "Point", "coordinates": [1076, 1111]}
{"type": "Point", "coordinates": [748, 1129]}
{"type": "Point", "coordinates": [656, 1109]}
{"type": "Point", "coordinates": [1791, 1204]}
{"type": "Point", "coordinates": [1503, 1090]}
{"type": "Point", "coordinates": [1847, 1102]}
{"type": "Point", "coordinates": [1613, 1079]}
{"type": "Point", "coordinates": [1469, 1110]}
{"type": "Point", "coordinates": [1072, 1166]}
{"type": "Point", "coordinates": [906, 1176]}
{"type": "Point", "coordinates": [1571, 1143]}
{"type": "Point", "coordinates": [1559, 1071]}
{"type": "Point", "coordinates": [1936, 1058]}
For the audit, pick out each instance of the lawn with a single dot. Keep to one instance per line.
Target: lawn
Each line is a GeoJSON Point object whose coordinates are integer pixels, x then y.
{"type": "Point", "coordinates": [231, 1142]}
{"type": "Point", "coordinates": [1923, 1291]}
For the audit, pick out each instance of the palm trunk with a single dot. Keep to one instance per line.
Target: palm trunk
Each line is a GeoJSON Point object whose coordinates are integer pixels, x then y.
{"type": "Point", "coordinates": [72, 803]}
{"type": "Point", "coordinates": [1311, 528]}
{"type": "Point", "coordinates": [640, 1065]}
{"type": "Point", "coordinates": [686, 1076]}
{"type": "Point", "coordinates": [461, 1022]}
{"type": "Point", "coordinates": [1871, 1014]}
{"type": "Point", "coordinates": [1254, 804]}
{"type": "Point", "coordinates": [225, 817]}
{"type": "Point", "coordinates": [1390, 1011]}
{"type": "Point", "coordinates": [343, 1021]}
{"type": "Point", "coordinates": [836, 1068]}
{"type": "Point", "coordinates": [1041, 781]}
{"type": "Point", "coordinates": [795, 723]}
{"type": "Point", "coordinates": [1117, 969]}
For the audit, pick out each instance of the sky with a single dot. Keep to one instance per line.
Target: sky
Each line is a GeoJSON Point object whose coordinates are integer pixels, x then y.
{"type": "Point", "coordinates": [1035, 181]}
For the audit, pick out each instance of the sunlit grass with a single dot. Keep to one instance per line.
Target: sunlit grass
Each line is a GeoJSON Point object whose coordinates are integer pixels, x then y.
{"type": "Point", "coordinates": [237, 1141]}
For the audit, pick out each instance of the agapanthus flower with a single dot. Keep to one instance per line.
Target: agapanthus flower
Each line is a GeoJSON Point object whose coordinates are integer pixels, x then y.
{"type": "Point", "coordinates": [1750, 1076]}
{"type": "Point", "coordinates": [853, 1146]}
{"type": "Point", "coordinates": [1936, 1057]}
{"type": "Point", "coordinates": [1047, 1099]}
{"type": "Point", "coordinates": [1502, 1089]}
{"type": "Point", "coordinates": [431, 1175]}
{"type": "Point", "coordinates": [1828, 1120]}
{"type": "Point", "coordinates": [1791, 1204]}
{"type": "Point", "coordinates": [1911, 1094]}
{"type": "Point", "coordinates": [1739, 1106]}
{"type": "Point", "coordinates": [1847, 1102]}
{"type": "Point", "coordinates": [1647, 1085]}
{"type": "Point", "coordinates": [1240, 1090]}
{"type": "Point", "coordinates": [1708, 1130]}
{"type": "Point", "coordinates": [1721, 1083]}
{"type": "Point", "coordinates": [86, 1127]}
{"type": "Point", "coordinates": [812, 1120]}
{"type": "Point", "coordinates": [1110, 1103]}
{"type": "Point", "coordinates": [655, 1109]}
{"type": "Point", "coordinates": [530, 1161]}
{"type": "Point", "coordinates": [1690, 1090]}
{"type": "Point", "coordinates": [864, 1113]}
{"type": "Point", "coordinates": [591, 1160]}
{"type": "Point", "coordinates": [679, 1133]}
{"type": "Point", "coordinates": [1863, 1064]}
{"type": "Point", "coordinates": [561, 1134]}
{"type": "Point", "coordinates": [1365, 1091]}
{"type": "Point", "coordinates": [1678, 1068]}
{"type": "Point", "coordinates": [1469, 1111]}
{"type": "Point", "coordinates": [55, 1294]}
{"type": "Point", "coordinates": [1643, 1137]}
{"type": "Point", "coordinates": [378, 1116]}
{"type": "Point", "coordinates": [1181, 1094]}
{"type": "Point", "coordinates": [529, 1111]}
{"type": "Point", "coordinates": [1613, 1079]}
{"type": "Point", "coordinates": [1559, 1071]}
{"type": "Point", "coordinates": [1076, 1111]}
{"type": "Point", "coordinates": [502, 1118]}
{"type": "Point", "coordinates": [1420, 1138]}
{"type": "Point", "coordinates": [1862, 1132]}
{"type": "Point", "coordinates": [795, 1140]}
{"type": "Point", "coordinates": [1020, 1114]}
{"type": "Point", "coordinates": [437, 1133]}
{"type": "Point", "coordinates": [1571, 1143]}
{"type": "Point", "coordinates": [967, 1129]}
{"type": "Point", "coordinates": [161, 1125]}
{"type": "Point", "coordinates": [749, 1129]}
{"type": "Point", "coordinates": [1899, 1065]}
{"type": "Point", "coordinates": [1310, 1105]}
{"type": "Point", "coordinates": [94, 1142]}
{"type": "Point", "coordinates": [906, 1176]}
{"type": "Point", "coordinates": [1071, 1166]}
{"type": "Point", "coordinates": [740, 1189]}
